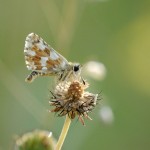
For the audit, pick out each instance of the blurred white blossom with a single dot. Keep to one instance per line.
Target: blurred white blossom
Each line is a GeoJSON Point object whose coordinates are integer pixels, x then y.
{"type": "Point", "coordinates": [106, 114]}
{"type": "Point", "coordinates": [95, 70]}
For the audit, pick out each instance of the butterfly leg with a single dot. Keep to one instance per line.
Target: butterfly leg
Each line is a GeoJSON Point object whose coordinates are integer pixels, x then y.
{"type": "Point", "coordinates": [65, 75]}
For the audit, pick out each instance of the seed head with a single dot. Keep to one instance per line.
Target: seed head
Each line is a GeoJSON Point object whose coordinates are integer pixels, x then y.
{"type": "Point", "coordinates": [70, 98]}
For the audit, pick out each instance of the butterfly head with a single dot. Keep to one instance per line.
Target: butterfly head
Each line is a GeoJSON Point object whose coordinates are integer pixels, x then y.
{"type": "Point", "coordinates": [76, 67]}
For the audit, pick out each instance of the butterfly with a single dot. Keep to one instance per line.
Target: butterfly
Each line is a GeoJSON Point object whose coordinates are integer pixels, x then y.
{"type": "Point", "coordinates": [43, 60]}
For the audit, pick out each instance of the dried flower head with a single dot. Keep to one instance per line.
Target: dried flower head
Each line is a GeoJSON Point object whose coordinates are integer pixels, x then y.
{"type": "Point", "coordinates": [70, 98]}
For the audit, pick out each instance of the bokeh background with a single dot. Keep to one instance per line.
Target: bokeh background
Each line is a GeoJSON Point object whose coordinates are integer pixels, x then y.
{"type": "Point", "coordinates": [113, 32]}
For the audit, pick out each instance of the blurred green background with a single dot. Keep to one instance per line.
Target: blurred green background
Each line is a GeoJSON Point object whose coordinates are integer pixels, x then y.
{"type": "Point", "coordinates": [114, 32]}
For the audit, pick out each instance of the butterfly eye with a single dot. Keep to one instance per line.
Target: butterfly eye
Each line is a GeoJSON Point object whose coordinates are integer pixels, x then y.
{"type": "Point", "coordinates": [76, 68]}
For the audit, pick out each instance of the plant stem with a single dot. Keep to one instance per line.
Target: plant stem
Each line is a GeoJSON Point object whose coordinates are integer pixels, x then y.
{"type": "Point", "coordinates": [63, 133]}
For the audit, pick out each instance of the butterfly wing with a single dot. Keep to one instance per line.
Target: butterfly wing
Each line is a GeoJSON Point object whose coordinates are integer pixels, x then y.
{"type": "Point", "coordinates": [40, 57]}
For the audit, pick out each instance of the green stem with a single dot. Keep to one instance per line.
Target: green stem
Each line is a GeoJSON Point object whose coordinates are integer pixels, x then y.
{"type": "Point", "coordinates": [63, 133]}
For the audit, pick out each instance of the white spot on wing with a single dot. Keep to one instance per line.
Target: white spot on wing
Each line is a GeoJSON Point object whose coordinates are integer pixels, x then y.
{"type": "Point", "coordinates": [53, 55]}
{"type": "Point", "coordinates": [43, 61]}
{"type": "Point", "coordinates": [30, 35]}
{"type": "Point", "coordinates": [29, 67]}
{"type": "Point", "coordinates": [30, 52]}
{"type": "Point", "coordinates": [40, 45]}
{"type": "Point", "coordinates": [63, 64]}
{"type": "Point", "coordinates": [27, 62]}
{"type": "Point", "coordinates": [27, 44]}
{"type": "Point", "coordinates": [44, 68]}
